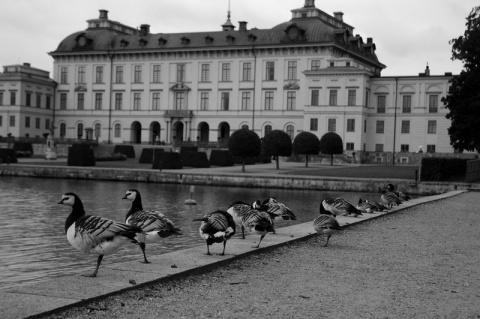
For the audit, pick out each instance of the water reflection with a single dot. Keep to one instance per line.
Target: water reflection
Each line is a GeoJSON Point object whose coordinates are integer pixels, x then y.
{"type": "Point", "coordinates": [33, 245]}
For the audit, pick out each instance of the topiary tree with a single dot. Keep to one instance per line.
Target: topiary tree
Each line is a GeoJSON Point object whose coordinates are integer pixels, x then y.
{"type": "Point", "coordinates": [331, 143]}
{"type": "Point", "coordinates": [244, 143]}
{"type": "Point", "coordinates": [306, 143]}
{"type": "Point", "coordinates": [277, 143]}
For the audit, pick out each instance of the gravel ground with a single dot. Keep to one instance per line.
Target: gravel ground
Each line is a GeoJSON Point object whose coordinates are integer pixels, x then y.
{"type": "Point", "coordinates": [423, 262]}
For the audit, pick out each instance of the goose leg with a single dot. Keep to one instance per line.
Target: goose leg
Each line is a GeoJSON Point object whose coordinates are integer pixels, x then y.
{"type": "Point", "coordinates": [142, 246]}
{"type": "Point", "coordinates": [243, 232]}
{"type": "Point", "coordinates": [273, 227]}
{"type": "Point", "coordinates": [208, 250]}
{"type": "Point", "coordinates": [260, 241]}
{"type": "Point", "coordinates": [99, 260]}
{"type": "Point", "coordinates": [224, 243]}
{"type": "Point", "coordinates": [326, 243]}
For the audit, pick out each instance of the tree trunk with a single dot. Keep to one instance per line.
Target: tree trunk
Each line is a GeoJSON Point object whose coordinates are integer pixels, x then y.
{"type": "Point", "coordinates": [306, 160]}
{"type": "Point", "coordinates": [331, 159]}
{"type": "Point", "coordinates": [276, 158]}
{"type": "Point", "coordinates": [243, 164]}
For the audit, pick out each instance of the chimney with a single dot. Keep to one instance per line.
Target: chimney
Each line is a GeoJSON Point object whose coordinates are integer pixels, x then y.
{"type": "Point", "coordinates": [242, 26]}
{"type": "Point", "coordinates": [26, 64]}
{"type": "Point", "coordinates": [338, 15]}
{"type": "Point", "coordinates": [144, 29]}
{"type": "Point", "coordinates": [369, 40]}
{"type": "Point", "coordinates": [103, 14]}
{"type": "Point", "coordinates": [309, 3]}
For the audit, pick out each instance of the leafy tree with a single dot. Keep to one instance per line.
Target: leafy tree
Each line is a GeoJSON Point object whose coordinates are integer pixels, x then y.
{"type": "Point", "coordinates": [277, 143]}
{"type": "Point", "coordinates": [244, 143]}
{"type": "Point", "coordinates": [331, 143]}
{"type": "Point", "coordinates": [306, 143]}
{"type": "Point", "coordinates": [463, 98]}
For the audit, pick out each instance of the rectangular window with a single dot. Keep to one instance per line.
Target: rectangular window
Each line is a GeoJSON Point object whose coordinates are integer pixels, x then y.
{"type": "Point", "coordinates": [315, 65]}
{"type": "Point", "coordinates": [63, 101]}
{"type": "Point", "coordinates": [245, 101]}
{"type": "Point", "coordinates": [378, 147]}
{"type": "Point", "coordinates": [117, 130]}
{"type": "Point", "coordinates": [156, 101]}
{"type": "Point", "coordinates": [13, 98]}
{"type": "Point", "coordinates": [225, 101]}
{"type": "Point", "coordinates": [156, 74]}
{"type": "Point", "coordinates": [225, 72]}
{"type": "Point", "coordinates": [352, 97]}
{"type": "Point", "coordinates": [80, 101]}
{"type": "Point", "coordinates": [99, 74]}
{"type": "Point", "coordinates": [380, 127]}
{"type": "Point", "coordinates": [367, 100]}
{"type": "Point", "coordinates": [137, 100]}
{"type": "Point", "coordinates": [47, 124]}
{"type": "Point", "coordinates": [350, 125]}
{"type": "Point", "coordinates": [180, 72]}
{"type": "Point", "coordinates": [27, 121]}
{"type": "Point", "coordinates": [118, 101]}
{"type": "Point", "coordinates": [268, 100]}
{"type": "Point", "coordinates": [333, 98]}
{"type": "Point", "coordinates": [12, 120]}
{"type": "Point", "coordinates": [315, 97]}
{"type": "Point", "coordinates": [48, 102]}
{"type": "Point", "coordinates": [433, 104]}
{"type": "Point", "coordinates": [313, 124]}
{"type": "Point", "coordinates": [332, 125]}
{"type": "Point", "coordinates": [37, 123]}
{"type": "Point", "coordinates": [405, 127]}
{"type": "Point", "coordinates": [247, 71]}
{"type": "Point", "coordinates": [292, 70]}
{"type": "Point", "coordinates": [432, 127]}
{"type": "Point", "coordinates": [98, 101]}
{"type": "Point", "coordinates": [404, 148]}
{"type": "Point", "coordinates": [291, 100]}
{"type": "Point", "coordinates": [350, 146]}
{"type": "Point", "coordinates": [63, 75]}
{"type": "Point", "coordinates": [381, 103]}
{"type": "Point", "coordinates": [205, 74]}
{"type": "Point", "coordinates": [204, 101]}
{"type": "Point", "coordinates": [270, 71]}
{"type": "Point", "coordinates": [1, 98]}
{"type": "Point", "coordinates": [28, 99]}
{"type": "Point", "coordinates": [179, 100]}
{"type": "Point", "coordinates": [365, 126]}
{"type": "Point", "coordinates": [81, 75]}
{"type": "Point", "coordinates": [430, 148]}
{"type": "Point", "coordinates": [1, 120]}
{"type": "Point", "coordinates": [119, 74]}
{"type": "Point", "coordinates": [39, 100]}
{"type": "Point", "coordinates": [137, 74]}
{"type": "Point", "coordinates": [407, 104]}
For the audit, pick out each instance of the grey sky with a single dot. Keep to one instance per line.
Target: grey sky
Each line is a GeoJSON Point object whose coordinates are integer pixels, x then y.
{"type": "Point", "coordinates": [407, 33]}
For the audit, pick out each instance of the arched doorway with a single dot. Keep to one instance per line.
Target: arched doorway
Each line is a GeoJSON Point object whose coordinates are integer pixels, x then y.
{"type": "Point", "coordinates": [136, 133]}
{"type": "Point", "coordinates": [154, 132]}
{"type": "Point", "coordinates": [204, 132]}
{"type": "Point", "coordinates": [223, 133]}
{"type": "Point", "coordinates": [177, 131]}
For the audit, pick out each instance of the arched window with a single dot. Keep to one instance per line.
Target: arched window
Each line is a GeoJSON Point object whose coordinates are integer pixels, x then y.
{"type": "Point", "coordinates": [290, 131]}
{"type": "Point", "coordinates": [245, 126]}
{"type": "Point", "coordinates": [117, 130]}
{"type": "Point", "coordinates": [268, 129]}
{"type": "Point", "coordinates": [63, 129]}
{"type": "Point", "coordinates": [97, 130]}
{"type": "Point", "coordinates": [80, 130]}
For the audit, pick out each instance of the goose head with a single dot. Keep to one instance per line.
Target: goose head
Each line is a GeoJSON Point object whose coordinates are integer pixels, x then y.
{"type": "Point", "coordinates": [131, 194]}
{"type": "Point", "coordinates": [70, 199]}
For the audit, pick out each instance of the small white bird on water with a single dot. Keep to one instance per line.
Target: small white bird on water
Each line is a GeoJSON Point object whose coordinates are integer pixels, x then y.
{"type": "Point", "coordinates": [95, 234]}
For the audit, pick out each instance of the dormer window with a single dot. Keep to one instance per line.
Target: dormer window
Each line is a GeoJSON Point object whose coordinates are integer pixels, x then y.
{"type": "Point", "coordinates": [230, 38]}
{"type": "Point", "coordinates": [252, 37]}
{"type": "Point", "coordinates": [185, 40]}
{"type": "Point", "coordinates": [294, 33]}
{"type": "Point", "coordinates": [123, 43]}
{"type": "Point", "coordinates": [143, 42]}
{"type": "Point", "coordinates": [208, 39]}
{"type": "Point", "coordinates": [162, 41]}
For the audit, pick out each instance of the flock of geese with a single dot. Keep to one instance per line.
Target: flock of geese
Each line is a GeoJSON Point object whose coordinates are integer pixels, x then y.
{"type": "Point", "coordinates": [103, 236]}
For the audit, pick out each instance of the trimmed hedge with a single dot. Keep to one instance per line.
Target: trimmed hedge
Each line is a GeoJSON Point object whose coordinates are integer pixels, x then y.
{"type": "Point", "coordinates": [126, 150]}
{"type": "Point", "coordinates": [23, 149]}
{"type": "Point", "coordinates": [84, 146]}
{"type": "Point", "coordinates": [221, 158]}
{"type": "Point", "coordinates": [80, 157]}
{"type": "Point", "coordinates": [443, 169]}
{"type": "Point", "coordinates": [147, 155]}
{"type": "Point", "coordinates": [188, 149]}
{"type": "Point", "coordinates": [8, 155]}
{"type": "Point", "coordinates": [194, 159]}
{"type": "Point", "coordinates": [167, 160]}
{"type": "Point", "coordinates": [110, 157]}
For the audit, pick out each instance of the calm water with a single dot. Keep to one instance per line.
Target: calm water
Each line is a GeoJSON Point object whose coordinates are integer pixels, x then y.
{"type": "Point", "coordinates": [33, 245]}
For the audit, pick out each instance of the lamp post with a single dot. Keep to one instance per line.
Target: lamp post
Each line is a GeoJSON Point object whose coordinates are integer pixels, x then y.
{"type": "Point", "coordinates": [395, 120]}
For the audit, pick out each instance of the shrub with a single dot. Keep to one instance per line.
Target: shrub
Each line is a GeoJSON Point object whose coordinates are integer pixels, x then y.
{"type": "Point", "coordinates": [306, 143]}
{"type": "Point", "coordinates": [126, 150]}
{"type": "Point", "coordinates": [84, 146]}
{"type": "Point", "coordinates": [331, 143]}
{"type": "Point", "coordinates": [80, 157]}
{"type": "Point", "coordinates": [244, 143]}
{"type": "Point", "coordinates": [105, 157]}
{"type": "Point", "coordinates": [147, 155]}
{"type": "Point", "coordinates": [194, 159]}
{"type": "Point", "coordinates": [188, 149]}
{"type": "Point", "coordinates": [8, 155]}
{"type": "Point", "coordinates": [23, 149]}
{"type": "Point", "coordinates": [167, 160]}
{"type": "Point", "coordinates": [443, 169]}
{"type": "Point", "coordinates": [221, 158]}
{"type": "Point", "coordinates": [277, 143]}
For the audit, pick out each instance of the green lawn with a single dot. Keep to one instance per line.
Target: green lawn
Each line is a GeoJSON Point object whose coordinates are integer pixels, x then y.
{"type": "Point", "coordinates": [366, 171]}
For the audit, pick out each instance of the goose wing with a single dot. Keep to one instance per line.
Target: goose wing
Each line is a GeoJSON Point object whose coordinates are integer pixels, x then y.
{"type": "Point", "coordinates": [239, 209]}
{"type": "Point", "coordinates": [258, 220]}
{"type": "Point", "coordinates": [218, 222]}
{"type": "Point", "coordinates": [323, 222]}
{"type": "Point", "coordinates": [278, 209]}
{"type": "Point", "coordinates": [151, 221]}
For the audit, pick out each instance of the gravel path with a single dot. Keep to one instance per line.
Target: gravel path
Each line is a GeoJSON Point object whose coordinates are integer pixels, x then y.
{"type": "Point", "coordinates": [423, 262]}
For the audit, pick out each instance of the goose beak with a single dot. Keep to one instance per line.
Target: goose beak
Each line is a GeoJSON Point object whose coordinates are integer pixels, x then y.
{"type": "Point", "coordinates": [60, 202]}
{"type": "Point", "coordinates": [124, 197]}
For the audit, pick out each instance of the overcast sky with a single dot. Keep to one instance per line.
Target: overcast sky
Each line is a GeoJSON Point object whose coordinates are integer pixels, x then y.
{"type": "Point", "coordinates": [408, 33]}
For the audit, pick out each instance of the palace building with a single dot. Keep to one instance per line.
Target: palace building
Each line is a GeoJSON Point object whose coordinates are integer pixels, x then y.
{"type": "Point", "coordinates": [119, 84]}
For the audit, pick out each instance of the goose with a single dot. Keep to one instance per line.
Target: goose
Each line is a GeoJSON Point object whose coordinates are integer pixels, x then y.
{"type": "Point", "coordinates": [217, 227]}
{"type": "Point", "coordinates": [277, 210]}
{"type": "Point", "coordinates": [365, 206]}
{"type": "Point", "coordinates": [379, 207]}
{"type": "Point", "coordinates": [239, 209]}
{"type": "Point", "coordinates": [340, 206]}
{"type": "Point", "coordinates": [326, 224]}
{"type": "Point", "coordinates": [390, 199]}
{"type": "Point", "coordinates": [154, 224]}
{"type": "Point", "coordinates": [402, 196]}
{"type": "Point", "coordinates": [257, 222]}
{"type": "Point", "coordinates": [95, 234]}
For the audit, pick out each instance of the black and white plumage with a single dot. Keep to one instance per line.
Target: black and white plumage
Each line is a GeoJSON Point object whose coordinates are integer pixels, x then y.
{"type": "Point", "coordinates": [390, 199]}
{"type": "Point", "coordinates": [278, 210]}
{"type": "Point", "coordinates": [378, 207]}
{"type": "Point", "coordinates": [326, 224]}
{"type": "Point", "coordinates": [217, 227]}
{"type": "Point", "coordinates": [340, 206]}
{"type": "Point", "coordinates": [239, 209]}
{"type": "Point", "coordinates": [154, 224]}
{"type": "Point", "coordinates": [401, 195]}
{"type": "Point", "coordinates": [365, 206]}
{"type": "Point", "coordinates": [257, 222]}
{"type": "Point", "coordinates": [95, 234]}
